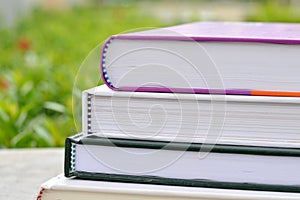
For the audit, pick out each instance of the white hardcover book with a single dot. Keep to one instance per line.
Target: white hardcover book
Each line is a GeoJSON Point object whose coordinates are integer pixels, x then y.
{"type": "Point", "coordinates": [197, 118]}
{"type": "Point", "coordinates": [72, 189]}
{"type": "Point", "coordinates": [233, 57]}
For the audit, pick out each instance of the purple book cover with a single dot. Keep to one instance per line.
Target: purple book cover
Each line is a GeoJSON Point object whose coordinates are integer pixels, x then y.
{"type": "Point", "coordinates": [278, 33]}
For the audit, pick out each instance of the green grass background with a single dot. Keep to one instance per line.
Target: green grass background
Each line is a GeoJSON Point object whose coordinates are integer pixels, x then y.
{"type": "Point", "coordinates": [41, 56]}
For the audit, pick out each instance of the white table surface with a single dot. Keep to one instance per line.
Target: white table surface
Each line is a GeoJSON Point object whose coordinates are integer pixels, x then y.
{"type": "Point", "coordinates": [22, 171]}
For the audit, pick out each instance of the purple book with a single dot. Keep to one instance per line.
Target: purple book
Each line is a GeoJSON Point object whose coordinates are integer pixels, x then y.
{"type": "Point", "coordinates": [206, 57]}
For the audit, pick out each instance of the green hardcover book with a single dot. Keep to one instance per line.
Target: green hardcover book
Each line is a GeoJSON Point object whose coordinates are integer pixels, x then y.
{"type": "Point", "coordinates": [183, 164]}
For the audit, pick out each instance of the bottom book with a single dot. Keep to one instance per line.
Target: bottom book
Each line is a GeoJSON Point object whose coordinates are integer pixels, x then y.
{"type": "Point", "coordinates": [183, 164]}
{"type": "Point", "coordinates": [64, 188]}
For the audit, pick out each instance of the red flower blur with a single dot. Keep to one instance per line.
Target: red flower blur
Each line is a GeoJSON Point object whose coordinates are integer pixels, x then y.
{"type": "Point", "coordinates": [3, 84]}
{"type": "Point", "coordinates": [24, 44]}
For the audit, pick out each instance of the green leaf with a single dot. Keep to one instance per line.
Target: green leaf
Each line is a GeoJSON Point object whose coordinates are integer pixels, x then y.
{"type": "Point", "coordinates": [26, 88]}
{"type": "Point", "coordinates": [43, 134]}
{"type": "Point", "coordinates": [57, 107]}
{"type": "Point", "coordinates": [4, 116]}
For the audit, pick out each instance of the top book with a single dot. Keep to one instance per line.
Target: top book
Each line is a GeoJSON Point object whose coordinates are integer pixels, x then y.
{"type": "Point", "coordinates": [206, 57]}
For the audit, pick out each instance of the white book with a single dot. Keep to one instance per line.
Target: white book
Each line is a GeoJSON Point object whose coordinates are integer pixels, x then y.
{"type": "Point", "coordinates": [234, 57]}
{"type": "Point", "coordinates": [197, 118]}
{"type": "Point", "coordinates": [72, 189]}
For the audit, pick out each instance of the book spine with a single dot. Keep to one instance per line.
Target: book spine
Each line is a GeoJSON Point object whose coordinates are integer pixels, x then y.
{"type": "Point", "coordinates": [103, 69]}
{"type": "Point", "coordinates": [84, 111]}
{"type": "Point", "coordinates": [89, 114]}
{"type": "Point", "coordinates": [40, 195]}
{"type": "Point", "coordinates": [70, 158]}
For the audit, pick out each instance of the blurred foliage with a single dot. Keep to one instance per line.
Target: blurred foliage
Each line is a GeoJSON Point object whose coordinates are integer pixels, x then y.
{"type": "Point", "coordinates": [39, 59]}
{"type": "Point", "coordinates": [276, 11]}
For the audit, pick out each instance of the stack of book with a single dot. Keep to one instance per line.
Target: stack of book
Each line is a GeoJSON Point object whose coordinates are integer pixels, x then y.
{"type": "Point", "coordinates": [207, 110]}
